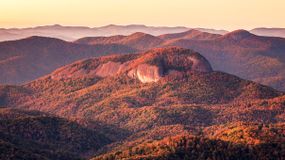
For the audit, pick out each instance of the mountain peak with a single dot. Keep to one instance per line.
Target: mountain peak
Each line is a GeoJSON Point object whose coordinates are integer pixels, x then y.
{"type": "Point", "coordinates": [41, 39]}
{"type": "Point", "coordinates": [193, 31]}
{"type": "Point", "coordinates": [56, 25]}
{"type": "Point", "coordinates": [240, 31]}
{"type": "Point", "coordinates": [136, 25]}
{"type": "Point", "coordinates": [238, 34]}
{"type": "Point", "coordinates": [139, 34]}
{"type": "Point", "coordinates": [176, 59]}
{"type": "Point", "coordinates": [192, 34]}
{"type": "Point", "coordinates": [147, 67]}
{"type": "Point", "coordinates": [38, 37]}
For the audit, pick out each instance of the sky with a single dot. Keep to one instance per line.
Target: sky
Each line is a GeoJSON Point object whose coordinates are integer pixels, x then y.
{"type": "Point", "coordinates": [218, 14]}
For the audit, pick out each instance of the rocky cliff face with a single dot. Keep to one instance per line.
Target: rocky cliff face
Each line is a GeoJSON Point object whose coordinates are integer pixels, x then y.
{"type": "Point", "coordinates": [108, 69]}
{"type": "Point", "coordinates": [153, 65]}
{"type": "Point", "coordinates": [146, 73]}
{"type": "Point", "coordinates": [147, 67]}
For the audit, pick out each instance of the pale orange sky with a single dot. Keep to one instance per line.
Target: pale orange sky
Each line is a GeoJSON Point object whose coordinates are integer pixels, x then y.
{"type": "Point", "coordinates": [219, 14]}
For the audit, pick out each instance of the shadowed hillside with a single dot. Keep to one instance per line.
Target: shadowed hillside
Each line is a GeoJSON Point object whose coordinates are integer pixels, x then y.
{"type": "Point", "coordinates": [26, 134]}
{"type": "Point", "coordinates": [241, 53]}
{"type": "Point", "coordinates": [27, 59]}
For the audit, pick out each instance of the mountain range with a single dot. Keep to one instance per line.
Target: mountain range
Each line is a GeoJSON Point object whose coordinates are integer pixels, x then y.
{"type": "Point", "coordinates": [71, 33]}
{"type": "Point", "coordinates": [246, 55]}
{"type": "Point", "coordinates": [141, 93]}
{"type": "Point", "coordinates": [164, 103]}
{"type": "Point", "coordinates": [257, 58]}
{"type": "Point", "coordinates": [33, 57]}
{"type": "Point", "coordinates": [270, 32]}
{"type": "Point", "coordinates": [240, 52]}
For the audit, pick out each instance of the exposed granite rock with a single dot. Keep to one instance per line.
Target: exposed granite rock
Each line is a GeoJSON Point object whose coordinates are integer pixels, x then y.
{"type": "Point", "coordinates": [108, 69]}
{"type": "Point", "coordinates": [147, 67]}
{"type": "Point", "coordinates": [146, 73]}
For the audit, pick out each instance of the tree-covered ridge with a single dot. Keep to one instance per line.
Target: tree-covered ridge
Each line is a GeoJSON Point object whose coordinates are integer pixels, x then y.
{"type": "Point", "coordinates": [52, 137]}
{"type": "Point", "coordinates": [76, 110]}
{"type": "Point", "coordinates": [204, 147]}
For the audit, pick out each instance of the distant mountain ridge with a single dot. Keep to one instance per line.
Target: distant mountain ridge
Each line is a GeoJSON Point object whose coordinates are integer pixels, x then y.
{"type": "Point", "coordinates": [240, 52]}
{"type": "Point", "coordinates": [136, 40]}
{"type": "Point", "coordinates": [269, 32]}
{"type": "Point", "coordinates": [27, 59]}
{"type": "Point", "coordinates": [71, 33]}
{"type": "Point", "coordinates": [191, 34]}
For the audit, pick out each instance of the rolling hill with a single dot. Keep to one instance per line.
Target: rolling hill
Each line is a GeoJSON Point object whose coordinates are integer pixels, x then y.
{"type": "Point", "coordinates": [191, 34]}
{"type": "Point", "coordinates": [270, 32]}
{"type": "Point", "coordinates": [27, 59]}
{"type": "Point", "coordinates": [35, 135]}
{"type": "Point", "coordinates": [187, 146]}
{"type": "Point", "coordinates": [241, 53]}
{"type": "Point", "coordinates": [142, 41]}
{"type": "Point", "coordinates": [136, 40]}
{"type": "Point", "coordinates": [257, 58]}
{"type": "Point", "coordinates": [71, 33]}
{"type": "Point", "coordinates": [138, 102]}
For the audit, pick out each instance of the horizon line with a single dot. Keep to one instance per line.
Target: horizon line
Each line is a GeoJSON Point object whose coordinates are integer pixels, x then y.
{"type": "Point", "coordinates": [134, 24]}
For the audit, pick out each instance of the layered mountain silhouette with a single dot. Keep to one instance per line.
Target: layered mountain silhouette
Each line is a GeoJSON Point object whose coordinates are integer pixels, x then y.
{"type": "Point", "coordinates": [270, 32]}
{"type": "Point", "coordinates": [6, 36]}
{"type": "Point", "coordinates": [191, 34]}
{"type": "Point", "coordinates": [143, 41]}
{"type": "Point", "coordinates": [135, 104]}
{"type": "Point", "coordinates": [137, 40]}
{"type": "Point", "coordinates": [27, 59]}
{"type": "Point", "coordinates": [71, 33]}
{"type": "Point", "coordinates": [241, 53]}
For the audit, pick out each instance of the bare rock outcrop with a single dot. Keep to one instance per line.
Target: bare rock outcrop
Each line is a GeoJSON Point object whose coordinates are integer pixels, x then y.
{"type": "Point", "coordinates": [146, 73]}
{"type": "Point", "coordinates": [146, 67]}
{"type": "Point", "coordinates": [108, 69]}
{"type": "Point", "coordinates": [155, 64]}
